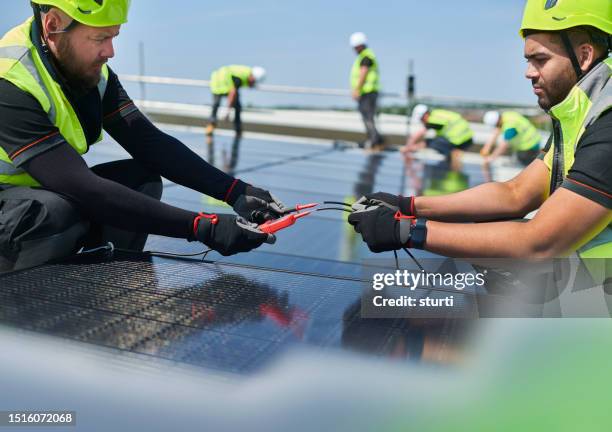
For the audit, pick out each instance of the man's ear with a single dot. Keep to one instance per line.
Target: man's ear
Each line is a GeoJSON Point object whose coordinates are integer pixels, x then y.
{"type": "Point", "coordinates": [55, 21]}
{"type": "Point", "coordinates": [586, 56]}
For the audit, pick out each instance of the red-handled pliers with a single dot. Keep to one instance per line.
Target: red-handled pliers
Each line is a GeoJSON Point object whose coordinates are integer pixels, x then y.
{"type": "Point", "coordinates": [274, 225]}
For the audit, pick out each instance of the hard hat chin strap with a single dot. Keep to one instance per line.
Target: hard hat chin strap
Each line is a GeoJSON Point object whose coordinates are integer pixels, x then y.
{"type": "Point", "coordinates": [38, 20]}
{"type": "Point", "coordinates": [572, 55]}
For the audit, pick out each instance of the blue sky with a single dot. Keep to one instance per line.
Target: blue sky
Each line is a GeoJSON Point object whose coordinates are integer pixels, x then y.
{"type": "Point", "coordinates": [466, 49]}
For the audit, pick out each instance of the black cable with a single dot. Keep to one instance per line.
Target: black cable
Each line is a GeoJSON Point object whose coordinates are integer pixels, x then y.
{"type": "Point", "coordinates": [165, 254]}
{"type": "Point", "coordinates": [335, 208]}
{"type": "Point", "coordinates": [169, 254]}
{"type": "Point", "coordinates": [338, 203]}
{"type": "Point", "coordinates": [414, 259]}
{"type": "Point", "coordinates": [396, 259]}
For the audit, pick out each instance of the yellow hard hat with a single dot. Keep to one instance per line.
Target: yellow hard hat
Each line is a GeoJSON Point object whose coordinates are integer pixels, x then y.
{"type": "Point", "coordinates": [557, 15]}
{"type": "Point", "coordinates": [94, 13]}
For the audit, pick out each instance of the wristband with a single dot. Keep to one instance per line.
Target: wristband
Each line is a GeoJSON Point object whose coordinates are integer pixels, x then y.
{"type": "Point", "coordinates": [418, 234]}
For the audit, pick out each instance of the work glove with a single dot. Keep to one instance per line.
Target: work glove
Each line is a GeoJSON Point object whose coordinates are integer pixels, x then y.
{"type": "Point", "coordinates": [228, 234]}
{"type": "Point", "coordinates": [381, 228]}
{"type": "Point", "coordinates": [258, 205]}
{"type": "Point", "coordinates": [394, 202]}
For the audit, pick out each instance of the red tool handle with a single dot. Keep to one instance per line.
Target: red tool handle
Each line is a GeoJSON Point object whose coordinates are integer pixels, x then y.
{"type": "Point", "coordinates": [272, 226]}
{"type": "Point", "coordinates": [305, 206]}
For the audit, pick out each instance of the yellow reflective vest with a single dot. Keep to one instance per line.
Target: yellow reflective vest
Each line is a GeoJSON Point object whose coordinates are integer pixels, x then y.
{"type": "Point", "coordinates": [590, 98]}
{"type": "Point", "coordinates": [21, 64]}
{"type": "Point", "coordinates": [527, 137]}
{"type": "Point", "coordinates": [454, 127]}
{"type": "Point", "coordinates": [372, 81]}
{"type": "Point", "coordinates": [221, 80]}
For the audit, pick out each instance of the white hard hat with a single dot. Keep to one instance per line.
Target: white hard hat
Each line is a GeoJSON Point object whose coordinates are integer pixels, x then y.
{"type": "Point", "coordinates": [419, 111]}
{"type": "Point", "coordinates": [358, 38]}
{"type": "Point", "coordinates": [258, 73]}
{"type": "Point", "coordinates": [491, 118]}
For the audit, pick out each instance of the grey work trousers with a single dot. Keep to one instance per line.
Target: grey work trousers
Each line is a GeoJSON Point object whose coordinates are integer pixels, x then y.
{"type": "Point", "coordinates": [38, 225]}
{"type": "Point", "coordinates": [217, 98]}
{"type": "Point", "coordinates": [368, 109]}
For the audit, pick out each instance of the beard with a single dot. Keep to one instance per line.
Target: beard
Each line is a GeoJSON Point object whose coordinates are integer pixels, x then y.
{"type": "Point", "coordinates": [77, 74]}
{"type": "Point", "coordinates": [557, 90]}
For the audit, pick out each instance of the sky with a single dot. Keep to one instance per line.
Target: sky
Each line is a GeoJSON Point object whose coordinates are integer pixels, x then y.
{"type": "Point", "coordinates": [469, 49]}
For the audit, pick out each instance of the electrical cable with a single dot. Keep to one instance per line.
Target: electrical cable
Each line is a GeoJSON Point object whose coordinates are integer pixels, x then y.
{"type": "Point", "coordinates": [338, 203]}
{"type": "Point", "coordinates": [414, 259]}
{"type": "Point", "coordinates": [334, 208]}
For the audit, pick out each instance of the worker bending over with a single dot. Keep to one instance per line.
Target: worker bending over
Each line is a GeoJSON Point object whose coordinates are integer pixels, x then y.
{"type": "Point", "coordinates": [226, 82]}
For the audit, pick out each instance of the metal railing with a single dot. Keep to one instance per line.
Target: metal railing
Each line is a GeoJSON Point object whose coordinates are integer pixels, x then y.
{"type": "Point", "coordinates": [442, 101]}
{"type": "Point", "coordinates": [262, 87]}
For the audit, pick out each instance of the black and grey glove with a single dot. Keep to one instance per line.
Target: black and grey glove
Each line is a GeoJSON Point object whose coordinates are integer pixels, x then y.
{"type": "Point", "coordinates": [382, 228]}
{"type": "Point", "coordinates": [394, 202]}
{"type": "Point", "coordinates": [228, 234]}
{"type": "Point", "coordinates": [258, 205]}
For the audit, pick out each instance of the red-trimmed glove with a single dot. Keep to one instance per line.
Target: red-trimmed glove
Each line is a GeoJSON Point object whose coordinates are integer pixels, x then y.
{"type": "Point", "coordinates": [378, 227]}
{"type": "Point", "coordinates": [394, 202]}
{"type": "Point", "coordinates": [228, 234]}
{"type": "Point", "coordinates": [258, 205]}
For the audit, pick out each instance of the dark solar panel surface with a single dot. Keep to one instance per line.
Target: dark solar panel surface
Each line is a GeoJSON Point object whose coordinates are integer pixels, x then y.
{"type": "Point", "coordinates": [238, 313]}
{"type": "Point", "coordinates": [220, 316]}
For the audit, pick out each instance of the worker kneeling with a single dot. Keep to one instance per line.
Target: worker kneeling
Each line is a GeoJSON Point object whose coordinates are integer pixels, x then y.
{"type": "Point", "coordinates": [517, 132]}
{"type": "Point", "coordinates": [56, 96]}
{"type": "Point", "coordinates": [453, 133]}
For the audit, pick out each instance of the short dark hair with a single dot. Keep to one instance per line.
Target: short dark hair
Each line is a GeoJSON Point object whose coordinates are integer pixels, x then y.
{"type": "Point", "coordinates": [592, 35]}
{"type": "Point", "coordinates": [600, 40]}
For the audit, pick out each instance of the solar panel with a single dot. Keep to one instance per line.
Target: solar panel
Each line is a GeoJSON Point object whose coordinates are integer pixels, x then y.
{"type": "Point", "coordinates": [238, 313]}
{"type": "Point", "coordinates": [222, 316]}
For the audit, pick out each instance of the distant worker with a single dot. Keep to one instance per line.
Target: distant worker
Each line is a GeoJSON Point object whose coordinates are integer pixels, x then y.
{"type": "Point", "coordinates": [517, 132]}
{"type": "Point", "coordinates": [453, 133]}
{"type": "Point", "coordinates": [365, 85]}
{"type": "Point", "coordinates": [227, 81]}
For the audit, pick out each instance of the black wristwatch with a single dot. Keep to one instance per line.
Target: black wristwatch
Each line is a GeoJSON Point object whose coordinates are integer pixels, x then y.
{"type": "Point", "coordinates": [418, 234]}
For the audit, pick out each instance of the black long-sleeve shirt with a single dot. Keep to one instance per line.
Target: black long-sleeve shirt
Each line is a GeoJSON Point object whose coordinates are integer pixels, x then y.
{"type": "Point", "coordinates": [36, 145]}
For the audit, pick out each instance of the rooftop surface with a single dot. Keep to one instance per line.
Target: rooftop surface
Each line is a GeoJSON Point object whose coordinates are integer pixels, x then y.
{"type": "Point", "coordinates": [236, 313]}
{"type": "Point", "coordinates": [235, 318]}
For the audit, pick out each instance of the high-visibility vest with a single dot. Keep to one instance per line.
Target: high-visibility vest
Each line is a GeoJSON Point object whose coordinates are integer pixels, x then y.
{"type": "Point", "coordinates": [527, 137]}
{"type": "Point", "coordinates": [586, 102]}
{"type": "Point", "coordinates": [451, 182]}
{"type": "Point", "coordinates": [221, 82]}
{"type": "Point", "coordinates": [455, 128]}
{"type": "Point", "coordinates": [21, 64]}
{"type": "Point", "coordinates": [371, 83]}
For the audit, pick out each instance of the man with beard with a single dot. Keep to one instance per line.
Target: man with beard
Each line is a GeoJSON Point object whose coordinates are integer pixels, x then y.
{"type": "Point", "coordinates": [567, 44]}
{"type": "Point", "coordinates": [56, 96]}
